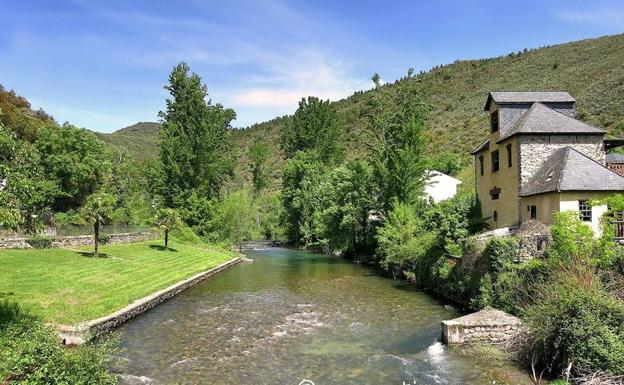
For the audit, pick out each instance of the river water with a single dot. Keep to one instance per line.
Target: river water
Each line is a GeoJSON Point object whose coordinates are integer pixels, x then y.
{"type": "Point", "coordinates": [294, 315]}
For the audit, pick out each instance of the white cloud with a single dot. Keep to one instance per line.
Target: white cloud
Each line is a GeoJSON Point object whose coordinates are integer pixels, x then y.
{"type": "Point", "coordinates": [609, 17]}
{"type": "Point", "coordinates": [293, 76]}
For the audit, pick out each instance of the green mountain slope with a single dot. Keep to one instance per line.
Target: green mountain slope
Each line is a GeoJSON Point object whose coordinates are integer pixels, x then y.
{"type": "Point", "coordinates": [591, 70]}
{"type": "Point", "coordinates": [140, 139]}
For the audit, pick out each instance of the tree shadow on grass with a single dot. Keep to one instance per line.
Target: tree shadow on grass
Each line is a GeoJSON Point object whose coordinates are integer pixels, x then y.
{"type": "Point", "coordinates": [162, 248]}
{"type": "Point", "coordinates": [91, 255]}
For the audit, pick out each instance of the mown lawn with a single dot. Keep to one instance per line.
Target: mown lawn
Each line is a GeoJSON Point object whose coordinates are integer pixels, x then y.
{"type": "Point", "coordinates": [69, 286]}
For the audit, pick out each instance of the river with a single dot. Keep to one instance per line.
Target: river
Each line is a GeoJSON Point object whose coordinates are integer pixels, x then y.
{"type": "Point", "coordinates": [294, 315]}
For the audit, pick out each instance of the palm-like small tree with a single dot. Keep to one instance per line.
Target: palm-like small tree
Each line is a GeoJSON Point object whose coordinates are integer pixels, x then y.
{"type": "Point", "coordinates": [96, 210]}
{"type": "Point", "coordinates": [165, 220]}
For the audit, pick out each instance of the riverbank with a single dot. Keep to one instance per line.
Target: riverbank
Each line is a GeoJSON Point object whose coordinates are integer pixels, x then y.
{"type": "Point", "coordinates": [71, 286]}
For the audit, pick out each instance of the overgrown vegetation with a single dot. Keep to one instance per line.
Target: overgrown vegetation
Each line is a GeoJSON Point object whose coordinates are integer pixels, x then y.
{"type": "Point", "coordinates": [30, 353]}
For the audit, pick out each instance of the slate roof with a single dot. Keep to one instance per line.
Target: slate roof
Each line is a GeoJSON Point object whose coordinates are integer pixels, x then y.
{"type": "Point", "coordinates": [616, 158]}
{"type": "Point", "coordinates": [512, 97]}
{"type": "Point", "coordinates": [483, 146]}
{"type": "Point", "coordinates": [540, 119]}
{"type": "Point", "coordinates": [569, 170]}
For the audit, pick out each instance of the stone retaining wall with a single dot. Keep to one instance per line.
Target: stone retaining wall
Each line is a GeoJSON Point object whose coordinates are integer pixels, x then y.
{"type": "Point", "coordinates": [80, 240]}
{"type": "Point", "coordinates": [78, 334]}
{"type": "Point", "coordinates": [486, 326]}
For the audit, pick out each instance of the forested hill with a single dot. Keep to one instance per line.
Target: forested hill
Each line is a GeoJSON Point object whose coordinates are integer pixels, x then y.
{"type": "Point", "coordinates": [591, 70]}
{"type": "Point", "coordinates": [140, 139]}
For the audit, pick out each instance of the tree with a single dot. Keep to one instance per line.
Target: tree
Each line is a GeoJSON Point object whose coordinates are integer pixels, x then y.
{"type": "Point", "coordinates": [259, 152]}
{"type": "Point", "coordinates": [314, 126]}
{"type": "Point", "coordinates": [165, 220]}
{"type": "Point", "coordinates": [97, 210]}
{"type": "Point", "coordinates": [396, 143]}
{"type": "Point", "coordinates": [25, 194]}
{"type": "Point", "coordinates": [76, 160]}
{"type": "Point", "coordinates": [344, 220]}
{"type": "Point", "coordinates": [302, 194]}
{"type": "Point", "coordinates": [195, 148]}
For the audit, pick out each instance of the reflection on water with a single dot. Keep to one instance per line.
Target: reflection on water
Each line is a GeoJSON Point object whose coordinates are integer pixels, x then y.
{"type": "Point", "coordinates": [293, 315]}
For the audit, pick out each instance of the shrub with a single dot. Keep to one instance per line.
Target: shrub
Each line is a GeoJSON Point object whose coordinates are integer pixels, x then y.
{"type": "Point", "coordinates": [104, 238]}
{"type": "Point", "coordinates": [571, 237]}
{"type": "Point", "coordinates": [182, 233]}
{"type": "Point", "coordinates": [40, 242]}
{"type": "Point", "coordinates": [31, 353]}
{"type": "Point", "coordinates": [574, 322]}
{"type": "Point", "coordinates": [500, 252]}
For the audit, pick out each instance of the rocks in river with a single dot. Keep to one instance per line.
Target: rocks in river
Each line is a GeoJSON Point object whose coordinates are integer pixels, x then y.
{"type": "Point", "coordinates": [128, 379]}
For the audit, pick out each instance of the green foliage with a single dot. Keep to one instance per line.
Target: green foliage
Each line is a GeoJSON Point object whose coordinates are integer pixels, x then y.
{"type": "Point", "coordinates": [302, 196]}
{"type": "Point", "coordinates": [183, 233]}
{"type": "Point", "coordinates": [258, 153]}
{"type": "Point", "coordinates": [447, 163]}
{"type": "Point", "coordinates": [76, 160]}
{"type": "Point", "coordinates": [165, 220]}
{"type": "Point", "coordinates": [404, 240]}
{"type": "Point", "coordinates": [97, 210]}
{"type": "Point", "coordinates": [17, 116]}
{"type": "Point", "coordinates": [31, 353]}
{"type": "Point", "coordinates": [237, 218]}
{"type": "Point", "coordinates": [397, 145]}
{"type": "Point", "coordinates": [140, 140]}
{"type": "Point", "coordinates": [571, 237]}
{"type": "Point", "coordinates": [270, 210]}
{"type": "Point", "coordinates": [314, 126]}
{"type": "Point", "coordinates": [195, 148]}
{"type": "Point", "coordinates": [342, 223]}
{"type": "Point", "coordinates": [500, 253]}
{"type": "Point", "coordinates": [40, 242]}
{"type": "Point", "coordinates": [574, 322]}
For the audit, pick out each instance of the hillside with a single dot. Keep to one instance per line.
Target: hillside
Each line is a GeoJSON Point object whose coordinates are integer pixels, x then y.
{"type": "Point", "coordinates": [140, 139]}
{"type": "Point", "coordinates": [591, 70]}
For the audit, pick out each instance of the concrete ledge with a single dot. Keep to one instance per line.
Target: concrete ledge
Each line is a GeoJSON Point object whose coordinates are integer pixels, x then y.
{"type": "Point", "coordinates": [486, 326]}
{"type": "Point", "coordinates": [78, 334]}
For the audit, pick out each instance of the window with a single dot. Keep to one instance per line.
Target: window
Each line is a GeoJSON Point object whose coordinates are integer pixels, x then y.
{"type": "Point", "coordinates": [495, 193]}
{"type": "Point", "coordinates": [494, 121]}
{"type": "Point", "coordinates": [495, 161]}
{"type": "Point", "coordinates": [481, 164]}
{"type": "Point", "coordinates": [509, 155]}
{"type": "Point", "coordinates": [495, 216]}
{"type": "Point", "coordinates": [533, 211]}
{"type": "Point", "coordinates": [585, 211]}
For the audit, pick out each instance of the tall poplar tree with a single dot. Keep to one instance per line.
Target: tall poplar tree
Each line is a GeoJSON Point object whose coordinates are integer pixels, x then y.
{"type": "Point", "coordinates": [396, 141]}
{"type": "Point", "coordinates": [195, 144]}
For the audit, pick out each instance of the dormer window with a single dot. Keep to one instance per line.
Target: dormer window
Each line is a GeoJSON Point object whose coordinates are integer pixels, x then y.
{"type": "Point", "coordinates": [494, 121]}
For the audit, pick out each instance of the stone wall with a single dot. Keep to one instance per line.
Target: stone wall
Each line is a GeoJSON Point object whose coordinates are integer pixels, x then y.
{"type": "Point", "coordinates": [535, 149]}
{"type": "Point", "coordinates": [486, 326]}
{"type": "Point", "coordinates": [79, 240]}
{"type": "Point", "coordinates": [78, 334]}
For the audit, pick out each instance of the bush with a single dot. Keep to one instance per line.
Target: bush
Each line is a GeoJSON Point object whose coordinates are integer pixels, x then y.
{"type": "Point", "coordinates": [104, 238]}
{"type": "Point", "coordinates": [31, 353]}
{"type": "Point", "coordinates": [571, 237]}
{"type": "Point", "coordinates": [500, 253]}
{"type": "Point", "coordinates": [182, 233]}
{"type": "Point", "coordinates": [575, 322]}
{"type": "Point", "coordinates": [40, 242]}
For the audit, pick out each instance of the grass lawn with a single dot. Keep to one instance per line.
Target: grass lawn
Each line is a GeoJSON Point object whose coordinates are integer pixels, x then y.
{"type": "Point", "coordinates": [69, 286]}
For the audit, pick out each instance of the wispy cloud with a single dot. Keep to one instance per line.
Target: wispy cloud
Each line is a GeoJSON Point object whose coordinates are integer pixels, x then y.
{"type": "Point", "coordinates": [612, 17]}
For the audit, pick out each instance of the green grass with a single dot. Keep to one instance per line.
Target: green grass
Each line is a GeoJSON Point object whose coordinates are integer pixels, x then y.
{"type": "Point", "coordinates": [67, 286]}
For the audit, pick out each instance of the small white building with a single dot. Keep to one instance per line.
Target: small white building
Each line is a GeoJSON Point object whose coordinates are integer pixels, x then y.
{"type": "Point", "coordinates": [440, 186]}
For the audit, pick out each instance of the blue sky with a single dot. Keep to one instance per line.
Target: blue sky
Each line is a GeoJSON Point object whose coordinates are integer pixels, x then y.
{"type": "Point", "coordinates": [103, 64]}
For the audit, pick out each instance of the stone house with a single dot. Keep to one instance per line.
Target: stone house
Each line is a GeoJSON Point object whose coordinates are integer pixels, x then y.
{"type": "Point", "coordinates": [539, 160]}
